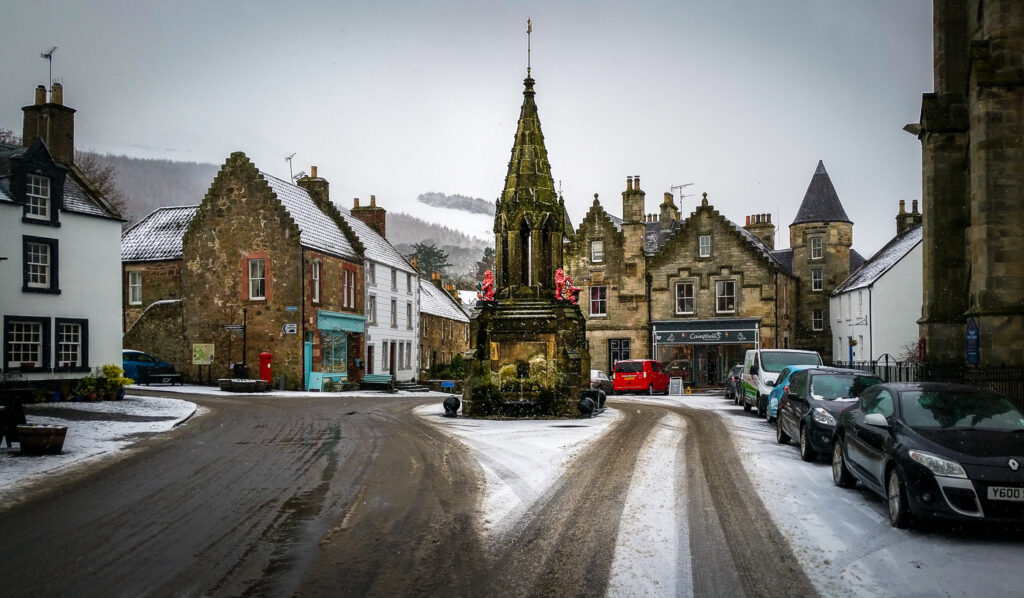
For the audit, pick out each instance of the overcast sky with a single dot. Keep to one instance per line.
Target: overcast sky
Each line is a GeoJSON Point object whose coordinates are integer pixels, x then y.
{"type": "Point", "coordinates": [740, 98]}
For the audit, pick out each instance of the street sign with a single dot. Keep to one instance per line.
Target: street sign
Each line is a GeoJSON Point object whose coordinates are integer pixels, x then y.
{"type": "Point", "coordinates": [202, 353]}
{"type": "Point", "coordinates": [973, 341]}
{"type": "Point", "coordinates": [291, 328]}
{"type": "Point", "coordinates": [234, 327]}
{"type": "Point", "coordinates": [291, 308]}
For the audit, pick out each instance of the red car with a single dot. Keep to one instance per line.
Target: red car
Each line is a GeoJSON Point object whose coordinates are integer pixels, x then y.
{"type": "Point", "coordinates": [639, 375]}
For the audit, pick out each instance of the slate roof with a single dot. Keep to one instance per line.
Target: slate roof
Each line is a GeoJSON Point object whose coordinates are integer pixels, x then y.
{"type": "Point", "coordinates": [76, 198]}
{"type": "Point", "coordinates": [616, 222]}
{"type": "Point", "coordinates": [375, 247]}
{"type": "Point", "coordinates": [436, 302]}
{"type": "Point", "coordinates": [821, 202]}
{"type": "Point", "coordinates": [316, 229]}
{"type": "Point", "coordinates": [785, 257]}
{"type": "Point", "coordinates": [880, 263]}
{"type": "Point", "coordinates": [157, 236]}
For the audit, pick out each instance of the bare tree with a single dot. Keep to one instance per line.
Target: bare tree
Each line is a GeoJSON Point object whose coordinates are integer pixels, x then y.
{"type": "Point", "coordinates": [103, 178]}
{"type": "Point", "coordinates": [8, 137]}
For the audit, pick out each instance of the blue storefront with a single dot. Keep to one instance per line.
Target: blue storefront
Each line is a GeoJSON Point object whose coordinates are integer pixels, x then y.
{"type": "Point", "coordinates": [336, 333]}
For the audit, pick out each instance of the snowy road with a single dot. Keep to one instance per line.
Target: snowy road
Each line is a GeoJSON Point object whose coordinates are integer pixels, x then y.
{"type": "Point", "coordinates": [335, 495]}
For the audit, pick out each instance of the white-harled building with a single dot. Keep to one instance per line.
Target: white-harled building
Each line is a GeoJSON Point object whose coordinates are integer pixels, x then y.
{"type": "Point", "coordinates": [60, 248]}
{"type": "Point", "coordinates": [875, 310]}
{"type": "Point", "coordinates": [392, 297]}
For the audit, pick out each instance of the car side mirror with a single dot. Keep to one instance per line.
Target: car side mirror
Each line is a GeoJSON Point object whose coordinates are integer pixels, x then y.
{"type": "Point", "coordinates": [876, 419]}
{"type": "Point", "coordinates": [769, 383]}
{"type": "Point", "coordinates": [793, 397]}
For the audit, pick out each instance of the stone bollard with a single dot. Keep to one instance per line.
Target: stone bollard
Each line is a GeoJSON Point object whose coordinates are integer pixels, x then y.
{"type": "Point", "coordinates": [451, 406]}
{"type": "Point", "coordinates": [586, 407]}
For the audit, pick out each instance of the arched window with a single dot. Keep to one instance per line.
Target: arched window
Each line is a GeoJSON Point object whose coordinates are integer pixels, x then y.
{"type": "Point", "coordinates": [525, 253]}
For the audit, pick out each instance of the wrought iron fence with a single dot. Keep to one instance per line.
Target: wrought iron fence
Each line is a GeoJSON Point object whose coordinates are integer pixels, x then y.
{"type": "Point", "coordinates": [1005, 379]}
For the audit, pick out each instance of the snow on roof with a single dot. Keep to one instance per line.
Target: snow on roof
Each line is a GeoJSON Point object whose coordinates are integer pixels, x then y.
{"type": "Point", "coordinates": [76, 200]}
{"type": "Point", "coordinates": [316, 229]}
{"type": "Point", "coordinates": [375, 247]}
{"type": "Point", "coordinates": [436, 302]}
{"type": "Point", "coordinates": [882, 261]}
{"type": "Point", "coordinates": [157, 236]}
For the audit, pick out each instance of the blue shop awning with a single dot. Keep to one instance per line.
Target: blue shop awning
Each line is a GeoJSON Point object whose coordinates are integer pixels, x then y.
{"type": "Point", "coordinates": [706, 332]}
{"type": "Point", "coordinates": [332, 320]}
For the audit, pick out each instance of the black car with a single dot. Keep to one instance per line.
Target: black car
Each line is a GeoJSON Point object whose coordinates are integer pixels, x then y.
{"type": "Point", "coordinates": [816, 397]}
{"type": "Point", "coordinates": [937, 450]}
{"type": "Point", "coordinates": [734, 383]}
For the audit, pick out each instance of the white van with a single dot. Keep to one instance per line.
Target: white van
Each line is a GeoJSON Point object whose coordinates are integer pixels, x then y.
{"type": "Point", "coordinates": [760, 369]}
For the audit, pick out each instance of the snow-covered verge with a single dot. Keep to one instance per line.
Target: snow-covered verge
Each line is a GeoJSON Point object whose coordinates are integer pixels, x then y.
{"type": "Point", "coordinates": [520, 458]}
{"type": "Point", "coordinates": [214, 391]}
{"type": "Point", "coordinates": [843, 539]}
{"type": "Point", "coordinates": [108, 427]}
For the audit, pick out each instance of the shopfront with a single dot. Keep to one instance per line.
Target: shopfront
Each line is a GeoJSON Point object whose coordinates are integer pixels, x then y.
{"type": "Point", "coordinates": [702, 351]}
{"type": "Point", "coordinates": [330, 348]}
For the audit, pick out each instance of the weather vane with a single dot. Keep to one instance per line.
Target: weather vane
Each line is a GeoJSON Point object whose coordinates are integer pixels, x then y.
{"type": "Point", "coordinates": [529, 30]}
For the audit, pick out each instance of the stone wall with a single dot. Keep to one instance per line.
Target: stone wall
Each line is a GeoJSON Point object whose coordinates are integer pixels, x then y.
{"type": "Point", "coordinates": [160, 280]}
{"type": "Point", "coordinates": [440, 340]}
{"type": "Point", "coordinates": [159, 332]}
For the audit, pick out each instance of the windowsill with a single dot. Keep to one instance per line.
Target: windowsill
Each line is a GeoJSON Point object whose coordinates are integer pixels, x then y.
{"type": "Point", "coordinates": [78, 369]}
{"type": "Point", "coordinates": [726, 312]}
{"type": "Point", "coordinates": [38, 290]}
{"type": "Point", "coordinates": [131, 304]}
{"type": "Point", "coordinates": [257, 299]}
{"type": "Point", "coordinates": [686, 313]}
{"type": "Point", "coordinates": [28, 220]}
{"type": "Point", "coordinates": [598, 315]}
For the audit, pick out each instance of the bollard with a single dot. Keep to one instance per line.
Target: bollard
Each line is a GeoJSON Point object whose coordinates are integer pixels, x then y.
{"type": "Point", "coordinates": [282, 380]}
{"type": "Point", "coordinates": [586, 407]}
{"type": "Point", "coordinates": [451, 406]}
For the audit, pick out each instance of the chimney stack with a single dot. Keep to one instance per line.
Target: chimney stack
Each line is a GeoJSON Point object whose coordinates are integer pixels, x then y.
{"type": "Point", "coordinates": [375, 217]}
{"type": "Point", "coordinates": [52, 122]}
{"type": "Point", "coordinates": [761, 225]}
{"type": "Point", "coordinates": [435, 277]}
{"type": "Point", "coordinates": [906, 221]}
{"type": "Point", "coordinates": [312, 172]}
{"type": "Point", "coordinates": [319, 189]}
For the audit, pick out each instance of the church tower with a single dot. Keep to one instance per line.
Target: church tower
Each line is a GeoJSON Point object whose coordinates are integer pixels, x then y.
{"type": "Point", "coordinates": [528, 350]}
{"type": "Point", "coordinates": [821, 236]}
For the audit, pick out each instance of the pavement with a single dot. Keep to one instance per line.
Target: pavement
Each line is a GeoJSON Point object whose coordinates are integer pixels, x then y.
{"type": "Point", "coordinates": [106, 429]}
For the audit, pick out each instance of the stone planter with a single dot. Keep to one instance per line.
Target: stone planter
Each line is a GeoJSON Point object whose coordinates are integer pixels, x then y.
{"type": "Point", "coordinates": [42, 440]}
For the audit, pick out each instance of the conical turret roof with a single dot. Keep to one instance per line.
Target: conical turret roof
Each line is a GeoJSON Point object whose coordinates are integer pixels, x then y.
{"type": "Point", "coordinates": [821, 202]}
{"type": "Point", "coordinates": [529, 173]}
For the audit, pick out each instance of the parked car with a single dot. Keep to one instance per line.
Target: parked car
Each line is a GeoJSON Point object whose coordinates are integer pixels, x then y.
{"type": "Point", "coordinates": [734, 383]}
{"type": "Point", "coordinates": [679, 368]}
{"type": "Point", "coordinates": [643, 375]}
{"type": "Point", "coordinates": [934, 450]}
{"type": "Point", "coordinates": [760, 369]}
{"type": "Point", "coordinates": [601, 381]}
{"type": "Point", "coordinates": [781, 388]}
{"type": "Point", "coordinates": [816, 397]}
{"type": "Point", "coordinates": [143, 367]}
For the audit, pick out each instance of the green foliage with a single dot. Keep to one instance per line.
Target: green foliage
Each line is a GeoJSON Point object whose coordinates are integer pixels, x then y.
{"type": "Point", "coordinates": [430, 259]}
{"type": "Point", "coordinates": [113, 379]}
{"type": "Point", "coordinates": [457, 368]}
{"type": "Point", "coordinates": [87, 385]}
{"type": "Point", "coordinates": [485, 263]}
{"type": "Point", "coordinates": [330, 385]}
{"type": "Point", "coordinates": [487, 397]}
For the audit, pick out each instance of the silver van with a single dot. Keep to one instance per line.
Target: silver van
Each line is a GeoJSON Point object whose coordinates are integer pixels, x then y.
{"type": "Point", "coordinates": [761, 368]}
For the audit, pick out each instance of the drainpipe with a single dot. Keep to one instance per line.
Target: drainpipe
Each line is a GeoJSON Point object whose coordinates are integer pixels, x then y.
{"type": "Point", "coordinates": [302, 317]}
{"type": "Point", "coordinates": [648, 280]}
{"type": "Point", "coordinates": [871, 327]}
{"type": "Point", "coordinates": [778, 329]}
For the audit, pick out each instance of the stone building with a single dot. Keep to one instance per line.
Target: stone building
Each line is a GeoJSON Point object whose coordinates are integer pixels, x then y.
{"type": "Point", "coordinates": [151, 264]}
{"type": "Point", "coordinates": [697, 292]}
{"type": "Point", "coordinates": [59, 242]}
{"type": "Point", "coordinates": [444, 327]}
{"type": "Point", "coordinates": [259, 252]}
{"type": "Point", "coordinates": [973, 181]}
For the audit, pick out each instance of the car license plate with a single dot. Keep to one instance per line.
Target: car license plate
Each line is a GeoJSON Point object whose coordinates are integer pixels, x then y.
{"type": "Point", "coordinates": [999, 493]}
{"type": "Point", "coordinates": [629, 377]}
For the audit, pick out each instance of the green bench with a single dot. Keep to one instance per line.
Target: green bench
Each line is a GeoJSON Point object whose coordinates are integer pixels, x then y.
{"type": "Point", "coordinates": [377, 381]}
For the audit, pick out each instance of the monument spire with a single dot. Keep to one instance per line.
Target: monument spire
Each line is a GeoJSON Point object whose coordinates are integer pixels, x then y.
{"type": "Point", "coordinates": [529, 30]}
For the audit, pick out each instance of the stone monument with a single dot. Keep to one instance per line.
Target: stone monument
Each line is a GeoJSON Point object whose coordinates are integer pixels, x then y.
{"type": "Point", "coordinates": [528, 350]}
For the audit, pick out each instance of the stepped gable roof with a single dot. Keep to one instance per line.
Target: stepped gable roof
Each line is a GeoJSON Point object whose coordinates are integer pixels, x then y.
{"type": "Point", "coordinates": [597, 212]}
{"type": "Point", "coordinates": [436, 302]}
{"type": "Point", "coordinates": [375, 247]}
{"type": "Point", "coordinates": [529, 174]}
{"type": "Point", "coordinates": [317, 230]}
{"type": "Point", "coordinates": [821, 202]}
{"type": "Point", "coordinates": [158, 236]}
{"type": "Point", "coordinates": [883, 261]}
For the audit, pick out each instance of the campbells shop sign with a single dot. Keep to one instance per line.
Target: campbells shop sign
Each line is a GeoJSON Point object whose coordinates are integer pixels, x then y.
{"type": "Point", "coordinates": [706, 332]}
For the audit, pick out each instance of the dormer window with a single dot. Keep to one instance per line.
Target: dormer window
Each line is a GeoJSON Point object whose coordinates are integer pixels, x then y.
{"type": "Point", "coordinates": [37, 197]}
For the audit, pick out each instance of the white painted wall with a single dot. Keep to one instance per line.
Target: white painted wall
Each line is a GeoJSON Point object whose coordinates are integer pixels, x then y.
{"type": "Point", "coordinates": [896, 305]}
{"type": "Point", "coordinates": [381, 332]}
{"type": "Point", "coordinates": [89, 275]}
{"type": "Point", "coordinates": [882, 317]}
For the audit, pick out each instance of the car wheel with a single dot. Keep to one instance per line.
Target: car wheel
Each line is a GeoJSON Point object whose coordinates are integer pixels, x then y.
{"type": "Point", "coordinates": [841, 476]}
{"type": "Point", "coordinates": [746, 404]}
{"type": "Point", "coordinates": [761, 408]}
{"type": "Point", "coordinates": [650, 389]}
{"type": "Point", "coordinates": [899, 511]}
{"type": "Point", "coordinates": [806, 452]}
{"type": "Point", "coordinates": [780, 435]}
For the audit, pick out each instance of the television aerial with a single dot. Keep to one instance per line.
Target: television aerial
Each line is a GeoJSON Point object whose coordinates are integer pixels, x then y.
{"type": "Point", "coordinates": [288, 159]}
{"type": "Point", "coordinates": [48, 55]}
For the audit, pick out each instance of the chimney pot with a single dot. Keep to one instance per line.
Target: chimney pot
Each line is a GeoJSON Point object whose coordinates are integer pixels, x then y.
{"type": "Point", "coordinates": [40, 95]}
{"type": "Point", "coordinates": [914, 204]}
{"type": "Point", "coordinates": [636, 182]}
{"type": "Point", "coordinates": [312, 172]}
{"type": "Point", "coordinates": [769, 218]}
{"type": "Point", "coordinates": [903, 206]}
{"type": "Point", "coordinates": [355, 202]}
{"type": "Point", "coordinates": [668, 197]}
{"type": "Point", "coordinates": [57, 94]}
{"type": "Point", "coordinates": [629, 183]}
{"type": "Point", "coordinates": [748, 221]}
{"type": "Point", "coordinates": [373, 201]}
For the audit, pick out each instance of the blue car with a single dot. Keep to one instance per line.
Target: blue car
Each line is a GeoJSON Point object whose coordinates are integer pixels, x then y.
{"type": "Point", "coordinates": [781, 387]}
{"type": "Point", "coordinates": [144, 368]}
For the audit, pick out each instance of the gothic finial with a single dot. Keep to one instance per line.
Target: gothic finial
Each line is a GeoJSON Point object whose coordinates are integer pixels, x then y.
{"type": "Point", "coordinates": [529, 30]}
{"type": "Point", "coordinates": [704, 199]}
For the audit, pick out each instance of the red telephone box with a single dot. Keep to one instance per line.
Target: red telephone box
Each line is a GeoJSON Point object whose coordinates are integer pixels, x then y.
{"type": "Point", "coordinates": [265, 366]}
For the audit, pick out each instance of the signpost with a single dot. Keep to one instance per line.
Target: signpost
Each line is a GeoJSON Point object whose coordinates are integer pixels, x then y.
{"type": "Point", "coordinates": [290, 329]}
{"type": "Point", "coordinates": [973, 335]}
{"type": "Point", "coordinates": [202, 354]}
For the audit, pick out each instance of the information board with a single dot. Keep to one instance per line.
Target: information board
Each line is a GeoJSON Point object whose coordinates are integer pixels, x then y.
{"type": "Point", "coordinates": [202, 353]}
{"type": "Point", "coordinates": [675, 386]}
